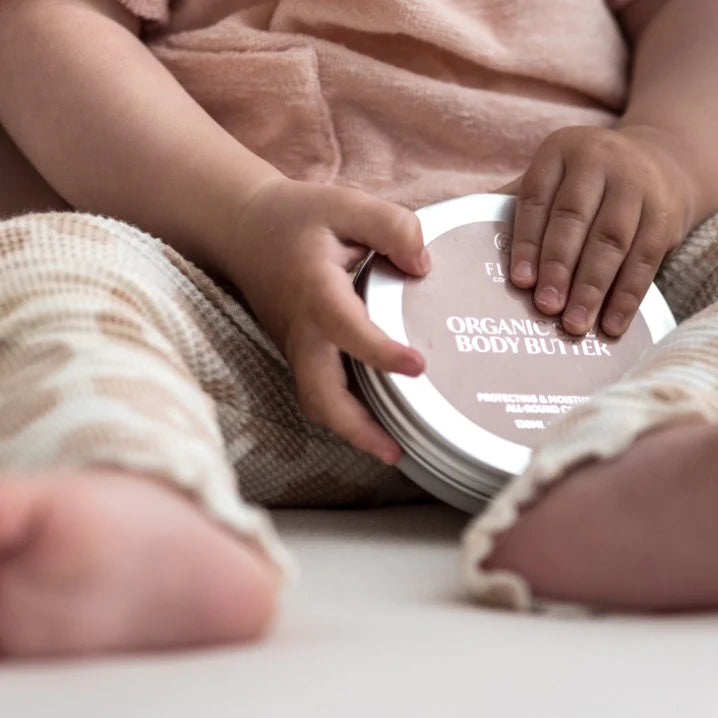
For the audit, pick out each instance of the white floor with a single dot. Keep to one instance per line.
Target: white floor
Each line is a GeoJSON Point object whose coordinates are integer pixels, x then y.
{"type": "Point", "coordinates": [378, 627]}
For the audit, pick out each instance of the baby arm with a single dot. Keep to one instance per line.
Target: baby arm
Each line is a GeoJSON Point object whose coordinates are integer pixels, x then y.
{"type": "Point", "coordinates": [113, 132]}
{"type": "Point", "coordinates": [599, 209]}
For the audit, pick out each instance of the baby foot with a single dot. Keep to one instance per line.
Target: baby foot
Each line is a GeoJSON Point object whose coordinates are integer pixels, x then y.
{"type": "Point", "coordinates": [104, 561]}
{"type": "Point", "coordinates": [636, 532]}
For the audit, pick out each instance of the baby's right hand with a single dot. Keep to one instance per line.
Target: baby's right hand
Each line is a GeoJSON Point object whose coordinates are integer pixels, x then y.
{"type": "Point", "coordinates": [297, 242]}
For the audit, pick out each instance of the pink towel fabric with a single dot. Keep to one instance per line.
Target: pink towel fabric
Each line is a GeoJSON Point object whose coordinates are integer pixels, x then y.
{"type": "Point", "coordinates": [413, 100]}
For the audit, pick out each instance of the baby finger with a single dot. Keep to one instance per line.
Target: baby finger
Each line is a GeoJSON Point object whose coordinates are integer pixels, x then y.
{"type": "Point", "coordinates": [342, 317]}
{"type": "Point", "coordinates": [325, 400]}
{"type": "Point", "coordinates": [638, 271]}
{"type": "Point", "coordinates": [573, 211]}
{"type": "Point", "coordinates": [390, 229]}
{"type": "Point", "coordinates": [535, 197]}
{"type": "Point", "coordinates": [609, 241]}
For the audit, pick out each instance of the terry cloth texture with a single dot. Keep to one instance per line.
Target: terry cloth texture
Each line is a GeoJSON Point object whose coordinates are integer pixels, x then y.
{"type": "Point", "coordinates": [675, 380]}
{"type": "Point", "coordinates": [452, 97]}
{"type": "Point", "coordinates": [116, 351]}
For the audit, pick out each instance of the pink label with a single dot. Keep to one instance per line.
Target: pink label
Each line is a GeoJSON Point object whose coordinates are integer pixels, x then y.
{"type": "Point", "coordinates": [490, 352]}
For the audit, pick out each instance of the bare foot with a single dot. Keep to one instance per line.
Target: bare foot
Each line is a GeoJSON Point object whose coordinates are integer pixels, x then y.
{"type": "Point", "coordinates": [105, 561]}
{"type": "Point", "coordinates": [637, 532]}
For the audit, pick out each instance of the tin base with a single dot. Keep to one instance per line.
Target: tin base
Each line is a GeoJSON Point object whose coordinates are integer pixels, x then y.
{"type": "Point", "coordinates": [439, 488]}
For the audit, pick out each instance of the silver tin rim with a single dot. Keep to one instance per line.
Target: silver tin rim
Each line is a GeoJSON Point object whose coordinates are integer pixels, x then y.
{"type": "Point", "coordinates": [469, 464]}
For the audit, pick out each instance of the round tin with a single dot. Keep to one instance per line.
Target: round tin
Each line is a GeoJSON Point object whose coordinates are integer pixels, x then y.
{"type": "Point", "coordinates": [497, 370]}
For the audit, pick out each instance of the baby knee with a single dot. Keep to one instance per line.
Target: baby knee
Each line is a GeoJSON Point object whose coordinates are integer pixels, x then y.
{"type": "Point", "coordinates": [67, 254]}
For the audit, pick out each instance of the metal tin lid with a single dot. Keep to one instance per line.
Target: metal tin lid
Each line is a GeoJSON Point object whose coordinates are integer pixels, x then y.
{"type": "Point", "coordinates": [498, 371]}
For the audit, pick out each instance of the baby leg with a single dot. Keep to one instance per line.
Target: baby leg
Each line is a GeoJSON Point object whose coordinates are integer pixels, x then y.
{"type": "Point", "coordinates": [617, 508]}
{"type": "Point", "coordinates": [120, 525]}
{"type": "Point", "coordinates": [280, 458]}
{"type": "Point", "coordinates": [636, 532]}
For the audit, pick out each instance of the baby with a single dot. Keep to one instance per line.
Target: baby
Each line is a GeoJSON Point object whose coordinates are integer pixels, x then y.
{"type": "Point", "coordinates": [273, 144]}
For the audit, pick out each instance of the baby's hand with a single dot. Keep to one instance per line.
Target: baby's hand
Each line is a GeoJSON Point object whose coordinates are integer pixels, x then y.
{"type": "Point", "coordinates": [298, 240]}
{"type": "Point", "coordinates": [598, 210]}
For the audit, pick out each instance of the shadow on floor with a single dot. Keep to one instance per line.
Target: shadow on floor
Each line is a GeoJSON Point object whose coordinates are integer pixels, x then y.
{"type": "Point", "coordinates": [425, 522]}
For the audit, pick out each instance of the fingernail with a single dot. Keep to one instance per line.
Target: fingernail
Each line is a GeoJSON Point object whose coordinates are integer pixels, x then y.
{"type": "Point", "coordinates": [613, 323]}
{"type": "Point", "coordinates": [425, 260]}
{"type": "Point", "coordinates": [577, 316]}
{"type": "Point", "coordinates": [547, 296]}
{"type": "Point", "coordinates": [523, 271]}
{"type": "Point", "coordinates": [412, 365]}
{"type": "Point", "coordinates": [388, 454]}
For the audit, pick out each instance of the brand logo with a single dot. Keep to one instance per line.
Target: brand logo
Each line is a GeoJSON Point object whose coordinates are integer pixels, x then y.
{"type": "Point", "coordinates": [502, 242]}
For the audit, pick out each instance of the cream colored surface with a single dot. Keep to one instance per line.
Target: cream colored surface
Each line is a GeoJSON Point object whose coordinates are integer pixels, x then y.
{"type": "Point", "coordinates": [378, 627]}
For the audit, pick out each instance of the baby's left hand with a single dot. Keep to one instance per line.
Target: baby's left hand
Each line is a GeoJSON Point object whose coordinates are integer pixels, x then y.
{"type": "Point", "coordinates": [598, 210]}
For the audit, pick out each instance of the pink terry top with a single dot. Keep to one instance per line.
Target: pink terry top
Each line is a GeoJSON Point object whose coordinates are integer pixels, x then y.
{"type": "Point", "coordinates": [413, 100]}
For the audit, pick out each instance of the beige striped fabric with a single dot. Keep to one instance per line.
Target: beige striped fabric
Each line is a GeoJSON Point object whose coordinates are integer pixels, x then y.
{"type": "Point", "coordinates": [114, 350]}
